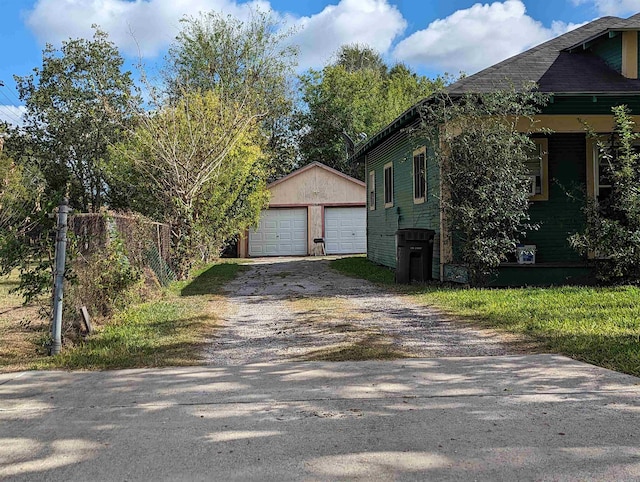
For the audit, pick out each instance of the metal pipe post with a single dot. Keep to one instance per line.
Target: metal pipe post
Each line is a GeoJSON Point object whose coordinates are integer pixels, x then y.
{"type": "Point", "coordinates": [61, 251]}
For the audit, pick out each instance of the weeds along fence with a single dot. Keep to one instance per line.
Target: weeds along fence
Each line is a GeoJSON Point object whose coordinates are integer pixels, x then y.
{"type": "Point", "coordinates": [145, 242]}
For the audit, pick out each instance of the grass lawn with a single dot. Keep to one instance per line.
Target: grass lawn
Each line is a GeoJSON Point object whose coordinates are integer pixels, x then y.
{"type": "Point", "coordinates": [168, 331]}
{"type": "Point", "coordinates": [596, 325]}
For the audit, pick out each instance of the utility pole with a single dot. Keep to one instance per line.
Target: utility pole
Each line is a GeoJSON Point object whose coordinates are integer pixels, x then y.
{"type": "Point", "coordinates": [61, 251]}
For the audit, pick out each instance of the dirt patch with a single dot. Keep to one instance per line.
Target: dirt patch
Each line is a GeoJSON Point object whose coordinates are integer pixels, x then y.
{"type": "Point", "coordinates": [300, 309]}
{"type": "Point", "coordinates": [21, 328]}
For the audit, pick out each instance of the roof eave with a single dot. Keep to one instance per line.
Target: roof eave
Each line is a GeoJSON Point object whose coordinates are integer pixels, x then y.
{"type": "Point", "coordinates": [586, 43]}
{"type": "Point", "coordinates": [402, 120]}
{"type": "Point", "coordinates": [311, 166]}
{"type": "Point", "coordinates": [595, 93]}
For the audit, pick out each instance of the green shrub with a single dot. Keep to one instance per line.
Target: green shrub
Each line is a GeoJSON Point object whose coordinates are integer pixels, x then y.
{"type": "Point", "coordinates": [612, 232]}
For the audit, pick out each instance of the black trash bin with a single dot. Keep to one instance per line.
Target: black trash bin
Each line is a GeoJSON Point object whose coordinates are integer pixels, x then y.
{"type": "Point", "coordinates": [414, 256]}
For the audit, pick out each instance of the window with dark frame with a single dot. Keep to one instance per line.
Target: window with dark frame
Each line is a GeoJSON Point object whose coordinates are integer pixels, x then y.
{"type": "Point", "coordinates": [603, 176]}
{"type": "Point", "coordinates": [537, 166]}
{"type": "Point", "coordinates": [372, 190]}
{"type": "Point", "coordinates": [419, 176]}
{"type": "Point", "coordinates": [534, 169]}
{"type": "Point", "coordinates": [388, 185]}
{"type": "Point", "coordinates": [603, 191]}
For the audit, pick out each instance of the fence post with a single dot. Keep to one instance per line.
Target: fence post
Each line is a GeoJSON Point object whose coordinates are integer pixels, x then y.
{"type": "Point", "coordinates": [61, 249]}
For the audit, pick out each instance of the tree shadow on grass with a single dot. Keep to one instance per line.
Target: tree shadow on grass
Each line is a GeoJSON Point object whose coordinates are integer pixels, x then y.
{"type": "Point", "coordinates": [212, 280]}
{"type": "Point", "coordinates": [159, 344]}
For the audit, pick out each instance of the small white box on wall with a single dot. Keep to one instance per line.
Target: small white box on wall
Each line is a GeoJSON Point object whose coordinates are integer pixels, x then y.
{"type": "Point", "coordinates": [526, 253]}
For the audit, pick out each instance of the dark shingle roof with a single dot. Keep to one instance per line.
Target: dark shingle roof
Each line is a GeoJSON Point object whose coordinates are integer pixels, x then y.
{"type": "Point", "coordinates": [556, 70]}
{"type": "Point", "coordinates": [550, 65]}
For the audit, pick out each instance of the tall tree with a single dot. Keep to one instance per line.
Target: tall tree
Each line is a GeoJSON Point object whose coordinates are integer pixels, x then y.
{"type": "Point", "coordinates": [26, 200]}
{"type": "Point", "coordinates": [76, 105]}
{"type": "Point", "coordinates": [356, 95]}
{"type": "Point", "coordinates": [203, 155]}
{"type": "Point", "coordinates": [356, 57]}
{"type": "Point", "coordinates": [248, 64]}
{"type": "Point", "coordinates": [200, 161]}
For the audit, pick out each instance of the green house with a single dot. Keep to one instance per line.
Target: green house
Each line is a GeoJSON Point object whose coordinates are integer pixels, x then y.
{"type": "Point", "coordinates": [587, 71]}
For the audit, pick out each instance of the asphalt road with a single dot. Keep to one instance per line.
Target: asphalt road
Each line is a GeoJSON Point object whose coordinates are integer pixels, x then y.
{"type": "Point", "coordinates": [536, 417]}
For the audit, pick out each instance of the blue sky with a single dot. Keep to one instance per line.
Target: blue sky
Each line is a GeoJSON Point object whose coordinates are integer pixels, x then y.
{"type": "Point", "coordinates": [431, 36]}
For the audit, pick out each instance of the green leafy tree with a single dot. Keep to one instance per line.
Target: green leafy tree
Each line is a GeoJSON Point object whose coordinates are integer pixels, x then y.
{"type": "Point", "coordinates": [233, 200]}
{"type": "Point", "coordinates": [357, 57]}
{"type": "Point", "coordinates": [76, 105]}
{"type": "Point", "coordinates": [356, 95]}
{"type": "Point", "coordinates": [25, 225]}
{"type": "Point", "coordinates": [200, 159]}
{"type": "Point", "coordinates": [612, 231]}
{"type": "Point", "coordinates": [16, 195]}
{"type": "Point", "coordinates": [217, 131]}
{"type": "Point", "coordinates": [248, 64]}
{"type": "Point", "coordinates": [485, 186]}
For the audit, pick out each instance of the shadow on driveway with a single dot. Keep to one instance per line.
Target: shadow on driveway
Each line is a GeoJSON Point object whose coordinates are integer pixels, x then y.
{"type": "Point", "coordinates": [539, 417]}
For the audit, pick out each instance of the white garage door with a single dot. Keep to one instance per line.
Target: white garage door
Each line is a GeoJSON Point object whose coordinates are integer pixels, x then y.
{"type": "Point", "coordinates": [282, 232]}
{"type": "Point", "coordinates": [345, 230]}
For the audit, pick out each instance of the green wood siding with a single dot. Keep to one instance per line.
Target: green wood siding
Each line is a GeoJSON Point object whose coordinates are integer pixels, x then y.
{"type": "Point", "coordinates": [561, 215]}
{"type": "Point", "coordinates": [585, 104]}
{"type": "Point", "coordinates": [538, 275]}
{"type": "Point", "coordinates": [610, 50]}
{"type": "Point", "coordinates": [382, 223]}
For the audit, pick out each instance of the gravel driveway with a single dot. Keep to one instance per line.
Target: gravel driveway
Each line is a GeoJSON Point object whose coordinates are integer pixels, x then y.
{"type": "Point", "coordinates": [285, 309]}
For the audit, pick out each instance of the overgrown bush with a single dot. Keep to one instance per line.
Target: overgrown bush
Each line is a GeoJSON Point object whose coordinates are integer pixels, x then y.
{"type": "Point", "coordinates": [108, 267]}
{"type": "Point", "coordinates": [612, 232]}
{"type": "Point", "coordinates": [482, 150]}
{"type": "Point", "coordinates": [103, 281]}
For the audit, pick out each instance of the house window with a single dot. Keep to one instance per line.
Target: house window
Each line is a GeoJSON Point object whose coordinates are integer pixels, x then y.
{"type": "Point", "coordinates": [419, 175]}
{"type": "Point", "coordinates": [602, 176]}
{"type": "Point", "coordinates": [538, 170]}
{"type": "Point", "coordinates": [372, 190]}
{"type": "Point", "coordinates": [388, 185]}
{"type": "Point", "coordinates": [602, 180]}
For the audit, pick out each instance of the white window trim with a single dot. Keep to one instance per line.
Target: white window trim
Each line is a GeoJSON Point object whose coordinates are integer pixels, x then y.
{"type": "Point", "coordinates": [544, 178]}
{"type": "Point", "coordinates": [417, 152]}
{"type": "Point", "coordinates": [388, 165]}
{"type": "Point", "coordinates": [371, 190]}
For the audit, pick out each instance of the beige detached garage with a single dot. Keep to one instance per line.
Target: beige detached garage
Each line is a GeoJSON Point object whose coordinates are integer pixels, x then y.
{"type": "Point", "coordinates": [313, 202]}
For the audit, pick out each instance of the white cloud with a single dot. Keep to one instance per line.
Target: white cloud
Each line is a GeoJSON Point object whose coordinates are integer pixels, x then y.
{"type": "Point", "coordinates": [147, 25]}
{"type": "Point", "coordinates": [12, 114]}
{"type": "Point", "coordinates": [476, 37]}
{"type": "Point", "coordinates": [372, 22]}
{"type": "Point", "coordinates": [151, 25]}
{"type": "Point", "coordinates": [612, 7]}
